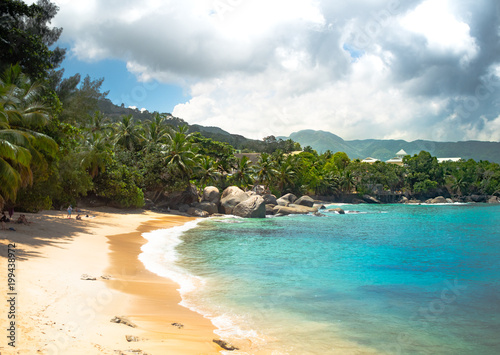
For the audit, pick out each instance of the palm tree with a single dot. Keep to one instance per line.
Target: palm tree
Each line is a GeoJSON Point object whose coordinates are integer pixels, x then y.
{"type": "Point", "coordinates": [285, 174]}
{"type": "Point", "coordinates": [207, 171]}
{"type": "Point", "coordinates": [180, 155]}
{"type": "Point", "coordinates": [347, 181]}
{"type": "Point", "coordinates": [317, 183]}
{"type": "Point", "coordinates": [99, 122]}
{"type": "Point", "coordinates": [156, 131]}
{"type": "Point", "coordinates": [459, 185]}
{"type": "Point", "coordinates": [265, 171]}
{"type": "Point", "coordinates": [128, 133]}
{"type": "Point", "coordinates": [15, 160]}
{"type": "Point", "coordinates": [242, 176]}
{"type": "Point", "coordinates": [20, 146]}
{"type": "Point", "coordinates": [19, 100]}
{"type": "Point", "coordinates": [95, 153]}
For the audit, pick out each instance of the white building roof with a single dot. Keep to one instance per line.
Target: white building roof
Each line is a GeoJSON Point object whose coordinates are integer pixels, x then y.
{"type": "Point", "coordinates": [369, 160]}
{"type": "Point", "coordinates": [440, 160]}
{"type": "Point", "coordinates": [401, 152]}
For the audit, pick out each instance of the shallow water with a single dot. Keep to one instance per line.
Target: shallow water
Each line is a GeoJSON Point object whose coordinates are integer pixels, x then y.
{"type": "Point", "coordinates": [392, 279]}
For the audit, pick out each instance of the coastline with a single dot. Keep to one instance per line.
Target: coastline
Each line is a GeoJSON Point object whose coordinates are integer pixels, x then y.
{"type": "Point", "coordinates": [59, 313]}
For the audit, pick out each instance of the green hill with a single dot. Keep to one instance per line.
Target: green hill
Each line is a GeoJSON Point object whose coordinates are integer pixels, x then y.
{"type": "Point", "coordinates": [114, 112]}
{"type": "Point", "coordinates": [384, 149]}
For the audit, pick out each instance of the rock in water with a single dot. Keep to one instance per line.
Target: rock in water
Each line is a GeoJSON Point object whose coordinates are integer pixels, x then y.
{"type": "Point", "coordinates": [493, 199]}
{"type": "Point", "coordinates": [370, 199]}
{"type": "Point", "coordinates": [232, 196]}
{"type": "Point", "coordinates": [270, 199]}
{"type": "Point", "coordinates": [293, 209]}
{"type": "Point", "coordinates": [286, 199]}
{"type": "Point", "coordinates": [337, 210]}
{"type": "Point", "coordinates": [253, 207]}
{"type": "Point", "coordinates": [209, 207]}
{"type": "Point", "coordinates": [439, 199]}
{"type": "Point", "coordinates": [305, 201]}
{"type": "Point", "coordinates": [196, 212]}
{"type": "Point", "coordinates": [211, 194]}
{"type": "Point", "coordinates": [270, 209]}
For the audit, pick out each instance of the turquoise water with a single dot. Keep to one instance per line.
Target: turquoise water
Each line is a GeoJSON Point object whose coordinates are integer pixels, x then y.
{"type": "Point", "coordinates": [391, 279]}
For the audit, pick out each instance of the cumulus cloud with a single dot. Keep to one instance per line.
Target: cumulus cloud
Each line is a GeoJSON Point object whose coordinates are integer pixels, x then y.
{"type": "Point", "coordinates": [418, 69]}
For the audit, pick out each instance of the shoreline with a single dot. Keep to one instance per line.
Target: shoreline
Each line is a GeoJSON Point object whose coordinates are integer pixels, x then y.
{"type": "Point", "coordinates": [155, 300]}
{"type": "Point", "coordinates": [58, 312]}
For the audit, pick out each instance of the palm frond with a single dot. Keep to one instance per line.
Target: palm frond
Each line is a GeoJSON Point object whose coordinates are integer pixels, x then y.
{"type": "Point", "coordinates": [10, 180]}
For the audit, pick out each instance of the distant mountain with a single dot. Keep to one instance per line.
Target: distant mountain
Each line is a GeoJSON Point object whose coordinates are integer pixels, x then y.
{"type": "Point", "coordinates": [386, 149]}
{"type": "Point", "coordinates": [322, 141]}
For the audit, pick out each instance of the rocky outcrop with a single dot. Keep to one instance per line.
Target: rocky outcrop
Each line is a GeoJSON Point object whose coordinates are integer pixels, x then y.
{"type": "Point", "coordinates": [478, 198]}
{"type": "Point", "coordinates": [439, 199]}
{"type": "Point", "coordinates": [197, 212]}
{"type": "Point", "coordinates": [305, 201]}
{"type": "Point", "coordinates": [250, 193]}
{"type": "Point", "coordinates": [269, 209]}
{"type": "Point", "coordinates": [337, 210]}
{"type": "Point", "coordinates": [211, 194]}
{"type": "Point", "coordinates": [184, 208]}
{"type": "Point", "coordinates": [293, 209]}
{"type": "Point", "coordinates": [253, 207]}
{"type": "Point", "coordinates": [286, 199]}
{"type": "Point", "coordinates": [259, 189]}
{"type": "Point", "coordinates": [231, 197]}
{"type": "Point", "coordinates": [176, 199]}
{"type": "Point", "coordinates": [493, 199]}
{"type": "Point", "coordinates": [209, 207]}
{"type": "Point", "coordinates": [370, 199]}
{"type": "Point", "coordinates": [270, 199]}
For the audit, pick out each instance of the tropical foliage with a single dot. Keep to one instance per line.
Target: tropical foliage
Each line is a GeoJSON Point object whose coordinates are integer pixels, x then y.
{"type": "Point", "coordinates": [56, 147]}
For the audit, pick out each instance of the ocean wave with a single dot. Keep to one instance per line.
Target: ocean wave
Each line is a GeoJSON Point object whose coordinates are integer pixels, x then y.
{"type": "Point", "coordinates": [159, 256]}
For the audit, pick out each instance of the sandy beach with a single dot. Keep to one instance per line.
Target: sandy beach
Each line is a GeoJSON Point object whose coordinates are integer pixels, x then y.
{"type": "Point", "coordinates": [58, 312]}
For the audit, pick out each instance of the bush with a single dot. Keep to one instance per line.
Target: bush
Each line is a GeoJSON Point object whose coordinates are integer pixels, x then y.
{"type": "Point", "coordinates": [118, 184]}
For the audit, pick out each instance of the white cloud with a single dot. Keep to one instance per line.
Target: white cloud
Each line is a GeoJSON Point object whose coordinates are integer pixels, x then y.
{"type": "Point", "coordinates": [444, 33]}
{"type": "Point", "coordinates": [273, 67]}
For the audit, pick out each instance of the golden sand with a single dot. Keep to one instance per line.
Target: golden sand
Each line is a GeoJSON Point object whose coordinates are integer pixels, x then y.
{"type": "Point", "coordinates": [59, 313]}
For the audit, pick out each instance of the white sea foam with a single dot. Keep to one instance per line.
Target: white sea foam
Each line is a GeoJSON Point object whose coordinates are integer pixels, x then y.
{"type": "Point", "coordinates": [159, 256]}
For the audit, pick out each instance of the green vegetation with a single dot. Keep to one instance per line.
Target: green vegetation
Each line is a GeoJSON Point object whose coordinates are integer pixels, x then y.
{"type": "Point", "coordinates": [58, 145]}
{"type": "Point", "coordinates": [384, 149]}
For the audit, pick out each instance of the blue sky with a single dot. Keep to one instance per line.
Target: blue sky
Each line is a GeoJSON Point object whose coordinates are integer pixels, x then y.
{"type": "Point", "coordinates": [123, 86]}
{"type": "Point", "coordinates": [386, 69]}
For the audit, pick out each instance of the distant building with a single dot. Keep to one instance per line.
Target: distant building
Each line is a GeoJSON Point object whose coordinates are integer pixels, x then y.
{"type": "Point", "coordinates": [441, 160]}
{"type": "Point", "coordinates": [369, 160]}
{"type": "Point", "coordinates": [398, 160]}
{"type": "Point", "coordinates": [401, 154]}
